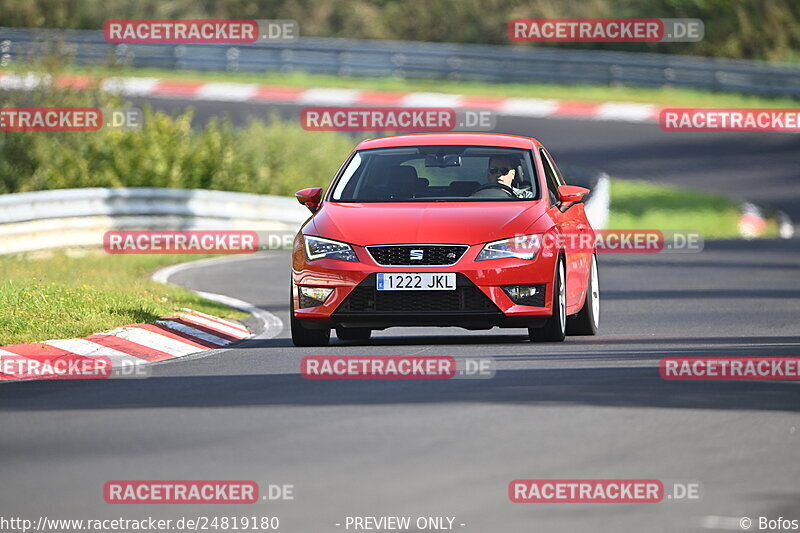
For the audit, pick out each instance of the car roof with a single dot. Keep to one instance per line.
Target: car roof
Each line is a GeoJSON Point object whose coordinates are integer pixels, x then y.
{"type": "Point", "coordinates": [450, 138]}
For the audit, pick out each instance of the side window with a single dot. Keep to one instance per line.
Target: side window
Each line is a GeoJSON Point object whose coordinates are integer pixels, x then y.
{"type": "Point", "coordinates": [550, 176]}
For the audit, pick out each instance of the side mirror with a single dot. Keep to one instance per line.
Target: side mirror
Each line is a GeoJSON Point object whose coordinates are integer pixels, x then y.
{"type": "Point", "coordinates": [311, 198]}
{"type": "Point", "coordinates": [568, 194]}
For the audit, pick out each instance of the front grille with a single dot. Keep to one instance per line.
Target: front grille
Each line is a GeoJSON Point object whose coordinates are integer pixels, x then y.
{"type": "Point", "coordinates": [417, 254]}
{"type": "Point", "coordinates": [366, 299]}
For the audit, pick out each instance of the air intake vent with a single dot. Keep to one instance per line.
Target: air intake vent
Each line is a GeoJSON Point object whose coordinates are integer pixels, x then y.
{"type": "Point", "coordinates": [366, 299]}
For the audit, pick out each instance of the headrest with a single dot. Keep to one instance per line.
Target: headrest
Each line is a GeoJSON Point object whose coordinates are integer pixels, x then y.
{"type": "Point", "coordinates": [402, 181]}
{"type": "Point", "coordinates": [402, 173]}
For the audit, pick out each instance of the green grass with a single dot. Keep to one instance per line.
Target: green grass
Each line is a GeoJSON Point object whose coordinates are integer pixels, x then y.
{"type": "Point", "coordinates": [62, 295]}
{"type": "Point", "coordinates": [645, 205]}
{"type": "Point", "coordinates": [663, 96]}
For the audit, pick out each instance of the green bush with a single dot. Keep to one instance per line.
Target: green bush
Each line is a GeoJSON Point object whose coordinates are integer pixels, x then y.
{"type": "Point", "coordinates": [268, 158]}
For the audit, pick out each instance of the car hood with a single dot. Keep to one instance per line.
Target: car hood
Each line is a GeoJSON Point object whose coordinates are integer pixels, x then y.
{"type": "Point", "coordinates": [430, 223]}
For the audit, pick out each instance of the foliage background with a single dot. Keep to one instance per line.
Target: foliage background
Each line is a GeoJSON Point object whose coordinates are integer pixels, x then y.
{"type": "Point", "coordinates": [265, 157]}
{"type": "Point", "coordinates": [753, 29]}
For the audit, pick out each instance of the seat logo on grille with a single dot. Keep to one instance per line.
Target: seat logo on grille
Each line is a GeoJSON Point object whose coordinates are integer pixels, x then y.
{"type": "Point", "coordinates": [416, 255]}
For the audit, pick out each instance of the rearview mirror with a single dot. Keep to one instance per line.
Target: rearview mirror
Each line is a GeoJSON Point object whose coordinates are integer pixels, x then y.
{"type": "Point", "coordinates": [443, 160]}
{"type": "Point", "coordinates": [311, 198]}
{"type": "Point", "coordinates": [568, 194]}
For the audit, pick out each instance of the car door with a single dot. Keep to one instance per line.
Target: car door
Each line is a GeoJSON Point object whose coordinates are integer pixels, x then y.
{"type": "Point", "coordinates": [573, 226]}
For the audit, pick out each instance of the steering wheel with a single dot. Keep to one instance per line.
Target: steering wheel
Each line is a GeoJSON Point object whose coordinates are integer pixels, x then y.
{"type": "Point", "coordinates": [500, 186]}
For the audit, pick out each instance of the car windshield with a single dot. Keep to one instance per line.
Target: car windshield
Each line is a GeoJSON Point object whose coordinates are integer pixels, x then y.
{"type": "Point", "coordinates": [437, 174]}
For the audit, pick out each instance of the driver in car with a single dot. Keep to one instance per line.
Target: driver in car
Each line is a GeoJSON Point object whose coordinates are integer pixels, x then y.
{"type": "Point", "coordinates": [502, 171]}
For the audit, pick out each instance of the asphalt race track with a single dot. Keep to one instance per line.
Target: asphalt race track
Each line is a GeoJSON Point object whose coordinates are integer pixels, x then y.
{"type": "Point", "coordinates": [592, 407]}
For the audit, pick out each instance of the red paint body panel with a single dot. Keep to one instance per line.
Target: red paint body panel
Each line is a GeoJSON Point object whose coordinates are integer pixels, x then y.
{"type": "Point", "coordinates": [450, 139]}
{"type": "Point", "coordinates": [432, 223]}
{"type": "Point", "coordinates": [465, 223]}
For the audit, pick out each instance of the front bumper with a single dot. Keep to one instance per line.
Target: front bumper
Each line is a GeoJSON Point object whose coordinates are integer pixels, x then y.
{"type": "Point", "coordinates": [479, 301]}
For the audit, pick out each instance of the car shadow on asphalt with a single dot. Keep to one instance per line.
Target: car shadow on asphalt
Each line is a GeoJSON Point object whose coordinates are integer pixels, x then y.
{"type": "Point", "coordinates": [441, 340]}
{"type": "Point", "coordinates": [750, 345]}
{"type": "Point", "coordinates": [609, 379]}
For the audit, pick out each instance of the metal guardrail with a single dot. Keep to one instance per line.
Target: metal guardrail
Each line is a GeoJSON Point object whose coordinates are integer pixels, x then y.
{"type": "Point", "coordinates": [80, 217]}
{"type": "Point", "coordinates": [349, 57]}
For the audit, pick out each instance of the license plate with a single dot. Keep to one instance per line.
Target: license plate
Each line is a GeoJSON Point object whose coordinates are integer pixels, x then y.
{"type": "Point", "coordinates": [417, 282]}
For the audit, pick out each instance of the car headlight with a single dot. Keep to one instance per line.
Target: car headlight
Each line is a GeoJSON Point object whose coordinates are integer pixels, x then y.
{"type": "Point", "coordinates": [520, 247]}
{"type": "Point", "coordinates": [317, 248]}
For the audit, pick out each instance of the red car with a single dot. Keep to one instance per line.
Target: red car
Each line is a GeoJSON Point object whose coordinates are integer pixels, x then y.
{"type": "Point", "coordinates": [445, 229]}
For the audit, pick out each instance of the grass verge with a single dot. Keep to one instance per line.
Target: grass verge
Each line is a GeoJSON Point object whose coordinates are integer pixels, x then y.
{"type": "Point", "coordinates": [646, 205]}
{"type": "Point", "coordinates": [61, 295]}
{"type": "Point", "coordinates": [590, 93]}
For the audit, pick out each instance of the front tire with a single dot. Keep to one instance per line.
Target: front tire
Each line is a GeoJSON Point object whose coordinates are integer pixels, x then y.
{"type": "Point", "coordinates": [303, 336]}
{"type": "Point", "coordinates": [555, 329]}
{"type": "Point", "coordinates": [587, 320]}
